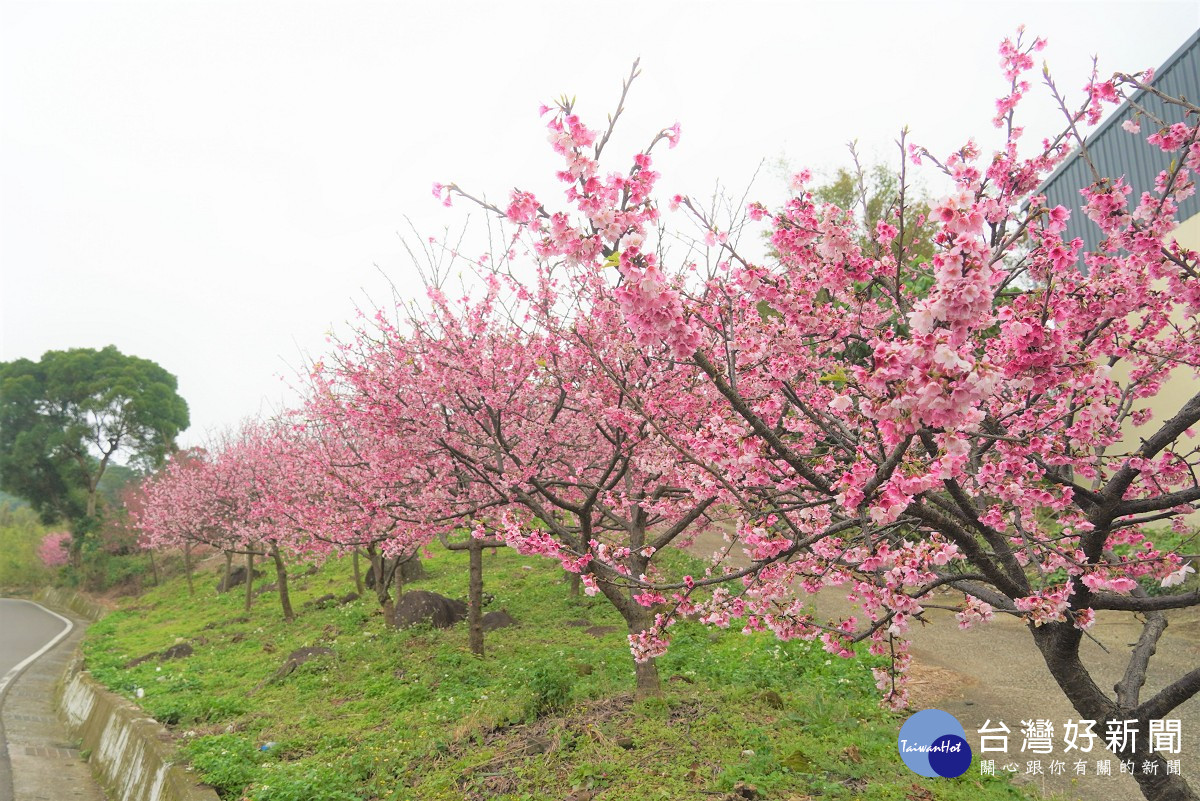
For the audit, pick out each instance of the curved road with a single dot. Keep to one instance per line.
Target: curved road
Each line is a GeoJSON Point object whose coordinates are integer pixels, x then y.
{"type": "Point", "coordinates": [27, 632]}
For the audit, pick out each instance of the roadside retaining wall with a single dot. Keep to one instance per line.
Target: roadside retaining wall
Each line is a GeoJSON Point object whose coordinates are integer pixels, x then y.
{"type": "Point", "coordinates": [68, 599]}
{"type": "Point", "coordinates": [131, 753]}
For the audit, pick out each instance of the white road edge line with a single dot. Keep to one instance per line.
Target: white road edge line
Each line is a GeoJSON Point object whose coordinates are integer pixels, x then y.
{"type": "Point", "coordinates": [16, 671]}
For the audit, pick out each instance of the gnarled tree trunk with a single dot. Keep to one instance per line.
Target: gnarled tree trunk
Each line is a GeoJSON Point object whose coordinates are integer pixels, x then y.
{"type": "Point", "coordinates": [637, 619]}
{"type": "Point", "coordinates": [645, 673]}
{"type": "Point", "coordinates": [281, 578]}
{"type": "Point", "coordinates": [1059, 644]}
{"type": "Point", "coordinates": [383, 584]}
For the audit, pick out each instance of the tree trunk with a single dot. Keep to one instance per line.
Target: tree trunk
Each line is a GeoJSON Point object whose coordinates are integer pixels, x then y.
{"type": "Point", "coordinates": [153, 566]}
{"type": "Point", "coordinates": [1059, 644]}
{"type": "Point", "coordinates": [640, 617]}
{"type": "Point", "coordinates": [80, 531]}
{"type": "Point", "coordinates": [358, 580]}
{"type": "Point", "coordinates": [389, 610]}
{"type": "Point", "coordinates": [281, 579]}
{"type": "Point", "coordinates": [249, 578]}
{"type": "Point", "coordinates": [474, 547]}
{"type": "Point", "coordinates": [637, 619]}
{"type": "Point", "coordinates": [647, 682]}
{"type": "Point", "coordinates": [228, 571]}
{"type": "Point", "coordinates": [187, 566]}
{"type": "Point", "coordinates": [383, 586]}
{"type": "Point", "coordinates": [475, 598]}
{"type": "Point", "coordinates": [573, 582]}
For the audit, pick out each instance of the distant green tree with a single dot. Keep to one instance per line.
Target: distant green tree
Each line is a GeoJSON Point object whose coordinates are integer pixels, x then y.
{"type": "Point", "coordinates": [114, 482]}
{"type": "Point", "coordinates": [66, 419]}
{"type": "Point", "coordinates": [874, 194]}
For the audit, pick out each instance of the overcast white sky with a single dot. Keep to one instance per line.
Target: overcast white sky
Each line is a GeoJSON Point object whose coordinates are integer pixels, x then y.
{"type": "Point", "coordinates": [213, 185]}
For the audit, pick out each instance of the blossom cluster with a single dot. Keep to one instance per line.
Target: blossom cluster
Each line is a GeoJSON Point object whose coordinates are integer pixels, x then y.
{"type": "Point", "coordinates": [910, 430]}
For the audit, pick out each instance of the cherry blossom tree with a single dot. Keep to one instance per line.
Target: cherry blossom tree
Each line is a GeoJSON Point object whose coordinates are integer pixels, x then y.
{"type": "Point", "coordinates": [55, 549]}
{"type": "Point", "coordinates": [154, 529]}
{"type": "Point", "coordinates": [268, 479]}
{"type": "Point", "coordinates": [539, 407]}
{"type": "Point", "coordinates": [226, 497]}
{"type": "Point", "coordinates": [388, 489]}
{"type": "Point", "coordinates": [176, 508]}
{"type": "Point", "coordinates": [896, 440]}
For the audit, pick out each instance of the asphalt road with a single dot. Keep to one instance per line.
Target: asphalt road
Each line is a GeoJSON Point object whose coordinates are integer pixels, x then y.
{"type": "Point", "coordinates": [26, 632]}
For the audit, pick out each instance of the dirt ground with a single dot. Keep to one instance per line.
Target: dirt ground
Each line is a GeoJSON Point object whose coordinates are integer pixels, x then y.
{"type": "Point", "coordinates": [995, 673]}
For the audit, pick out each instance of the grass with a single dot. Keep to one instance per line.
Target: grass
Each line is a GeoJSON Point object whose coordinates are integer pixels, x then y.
{"type": "Point", "coordinates": [413, 715]}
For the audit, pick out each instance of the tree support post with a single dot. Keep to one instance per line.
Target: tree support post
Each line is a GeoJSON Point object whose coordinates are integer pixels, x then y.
{"type": "Point", "coordinates": [474, 547]}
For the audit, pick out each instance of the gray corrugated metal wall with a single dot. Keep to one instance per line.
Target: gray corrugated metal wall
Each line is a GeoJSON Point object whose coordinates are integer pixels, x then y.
{"type": "Point", "coordinates": [1117, 152]}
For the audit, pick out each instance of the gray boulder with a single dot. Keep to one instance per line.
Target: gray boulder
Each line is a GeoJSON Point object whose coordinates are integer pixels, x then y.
{"type": "Point", "coordinates": [422, 606]}
{"type": "Point", "coordinates": [498, 620]}
{"type": "Point", "coordinates": [237, 576]}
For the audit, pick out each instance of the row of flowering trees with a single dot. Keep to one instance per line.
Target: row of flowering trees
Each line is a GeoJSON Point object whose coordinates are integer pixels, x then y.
{"type": "Point", "coordinates": [852, 415]}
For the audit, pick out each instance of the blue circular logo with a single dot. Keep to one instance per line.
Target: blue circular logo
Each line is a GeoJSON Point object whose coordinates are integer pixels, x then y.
{"type": "Point", "coordinates": [933, 743]}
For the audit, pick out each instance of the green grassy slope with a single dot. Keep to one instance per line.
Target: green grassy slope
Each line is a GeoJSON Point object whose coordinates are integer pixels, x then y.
{"type": "Point", "coordinates": [413, 715]}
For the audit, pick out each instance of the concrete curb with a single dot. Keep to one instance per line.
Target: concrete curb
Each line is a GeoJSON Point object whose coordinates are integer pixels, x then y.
{"type": "Point", "coordinates": [68, 599]}
{"type": "Point", "coordinates": [131, 753]}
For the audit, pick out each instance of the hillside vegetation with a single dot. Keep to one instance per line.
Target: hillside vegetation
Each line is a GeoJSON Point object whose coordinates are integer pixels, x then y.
{"type": "Point", "coordinates": [20, 534]}
{"type": "Point", "coordinates": [549, 714]}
